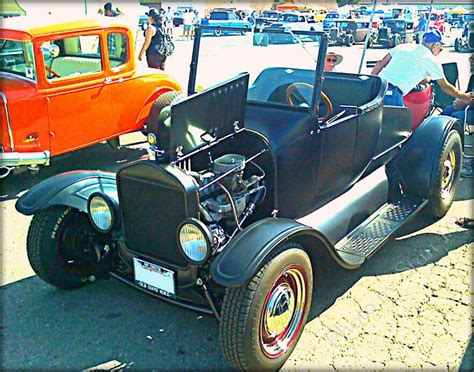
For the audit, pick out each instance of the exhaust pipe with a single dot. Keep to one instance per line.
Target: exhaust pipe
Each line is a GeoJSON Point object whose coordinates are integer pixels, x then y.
{"type": "Point", "coordinates": [5, 171]}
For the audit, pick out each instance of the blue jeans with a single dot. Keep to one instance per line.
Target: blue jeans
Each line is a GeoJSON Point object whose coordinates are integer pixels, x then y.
{"type": "Point", "coordinates": [459, 113]}
{"type": "Point", "coordinates": [393, 96]}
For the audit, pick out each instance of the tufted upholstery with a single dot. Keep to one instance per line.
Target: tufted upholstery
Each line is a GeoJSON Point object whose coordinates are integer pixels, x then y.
{"type": "Point", "coordinates": [65, 66]}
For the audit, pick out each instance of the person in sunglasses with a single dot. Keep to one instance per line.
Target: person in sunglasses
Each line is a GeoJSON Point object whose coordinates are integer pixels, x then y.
{"type": "Point", "coordinates": [331, 61]}
{"type": "Point", "coordinates": [406, 65]}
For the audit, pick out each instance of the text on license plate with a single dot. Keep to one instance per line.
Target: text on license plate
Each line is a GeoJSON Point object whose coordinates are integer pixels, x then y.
{"type": "Point", "coordinates": [154, 278]}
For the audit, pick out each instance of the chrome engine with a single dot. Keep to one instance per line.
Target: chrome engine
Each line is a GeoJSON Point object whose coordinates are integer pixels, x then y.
{"type": "Point", "coordinates": [225, 194]}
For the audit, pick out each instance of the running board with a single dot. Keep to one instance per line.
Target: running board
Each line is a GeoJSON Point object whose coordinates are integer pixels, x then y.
{"type": "Point", "coordinates": [362, 242]}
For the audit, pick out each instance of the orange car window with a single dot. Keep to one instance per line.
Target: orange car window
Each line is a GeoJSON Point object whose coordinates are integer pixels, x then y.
{"type": "Point", "coordinates": [118, 50]}
{"type": "Point", "coordinates": [73, 56]}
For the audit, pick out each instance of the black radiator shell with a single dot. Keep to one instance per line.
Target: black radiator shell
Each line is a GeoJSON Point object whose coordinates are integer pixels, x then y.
{"type": "Point", "coordinates": [154, 199]}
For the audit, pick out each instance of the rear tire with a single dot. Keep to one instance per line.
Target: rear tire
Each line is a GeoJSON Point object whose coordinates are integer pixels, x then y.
{"type": "Point", "coordinates": [446, 175]}
{"type": "Point", "coordinates": [457, 45]}
{"type": "Point", "coordinates": [160, 103]}
{"type": "Point", "coordinates": [262, 321]}
{"type": "Point", "coordinates": [58, 247]}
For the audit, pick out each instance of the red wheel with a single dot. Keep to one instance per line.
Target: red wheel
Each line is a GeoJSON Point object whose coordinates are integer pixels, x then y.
{"type": "Point", "coordinates": [282, 316]}
{"type": "Point", "coordinates": [262, 321]}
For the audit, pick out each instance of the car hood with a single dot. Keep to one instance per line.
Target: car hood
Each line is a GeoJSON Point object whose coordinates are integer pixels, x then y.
{"type": "Point", "coordinates": [15, 87]}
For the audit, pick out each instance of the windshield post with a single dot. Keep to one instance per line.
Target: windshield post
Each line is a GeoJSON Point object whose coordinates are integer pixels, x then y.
{"type": "Point", "coordinates": [369, 35]}
{"type": "Point", "coordinates": [318, 78]}
{"type": "Point", "coordinates": [194, 61]}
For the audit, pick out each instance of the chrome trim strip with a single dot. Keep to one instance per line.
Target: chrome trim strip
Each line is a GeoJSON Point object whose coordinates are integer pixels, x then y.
{"type": "Point", "coordinates": [15, 159]}
{"type": "Point", "coordinates": [9, 124]}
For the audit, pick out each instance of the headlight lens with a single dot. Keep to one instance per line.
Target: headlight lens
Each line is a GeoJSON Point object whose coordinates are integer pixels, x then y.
{"type": "Point", "coordinates": [194, 240]}
{"type": "Point", "coordinates": [101, 212]}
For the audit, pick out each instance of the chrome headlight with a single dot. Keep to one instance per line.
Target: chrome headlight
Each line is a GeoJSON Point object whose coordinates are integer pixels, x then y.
{"type": "Point", "coordinates": [101, 212]}
{"type": "Point", "coordinates": [194, 240]}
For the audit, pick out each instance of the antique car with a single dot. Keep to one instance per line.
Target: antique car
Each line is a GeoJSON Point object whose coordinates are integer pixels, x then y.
{"type": "Point", "coordinates": [296, 21]}
{"type": "Point", "coordinates": [273, 167]}
{"type": "Point", "coordinates": [223, 20]}
{"type": "Point", "coordinates": [329, 21]}
{"type": "Point", "coordinates": [69, 84]}
{"type": "Point", "coordinates": [394, 32]}
{"type": "Point", "coordinates": [350, 31]}
{"type": "Point", "coordinates": [466, 40]}
{"type": "Point", "coordinates": [267, 18]}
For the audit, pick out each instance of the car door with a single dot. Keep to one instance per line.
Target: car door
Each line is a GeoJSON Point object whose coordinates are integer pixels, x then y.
{"type": "Point", "coordinates": [127, 95]}
{"type": "Point", "coordinates": [79, 103]}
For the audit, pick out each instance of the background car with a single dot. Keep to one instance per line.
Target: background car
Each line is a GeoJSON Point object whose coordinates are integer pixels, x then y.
{"type": "Point", "coordinates": [394, 32]}
{"type": "Point", "coordinates": [297, 21]}
{"type": "Point", "coordinates": [222, 18]}
{"type": "Point", "coordinates": [70, 84]}
{"type": "Point", "coordinates": [267, 17]}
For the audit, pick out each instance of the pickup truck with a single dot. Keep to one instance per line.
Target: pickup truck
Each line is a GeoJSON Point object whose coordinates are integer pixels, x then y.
{"type": "Point", "coordinates": [297, 22]}
{"type": "Point", "coordinates": [225, 18]}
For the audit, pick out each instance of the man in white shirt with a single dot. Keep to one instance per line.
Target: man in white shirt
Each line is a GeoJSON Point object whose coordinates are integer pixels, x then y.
{"type": "Point", "coordinates": [407, 65]}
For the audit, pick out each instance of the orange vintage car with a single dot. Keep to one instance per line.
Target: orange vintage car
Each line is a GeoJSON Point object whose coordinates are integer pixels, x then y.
{"type": "Point", "coordinates": [66, 85]}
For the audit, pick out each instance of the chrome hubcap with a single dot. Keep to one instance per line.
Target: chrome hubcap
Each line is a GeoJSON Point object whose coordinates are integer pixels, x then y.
{"type": "Point", "coordinates": [447, 180]}
{"type": "Point", "coordinates": [280, 309]}
{"type": "Point", "coordinates": [283, 312]}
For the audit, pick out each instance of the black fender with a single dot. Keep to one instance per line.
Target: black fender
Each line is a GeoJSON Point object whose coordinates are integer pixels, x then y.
{"type": "Point", "coordinates": [70, 189]}
{"type": "Point", "coordinates": [417, 158]}
{"type": "Point", "coordinates": [246, 253]}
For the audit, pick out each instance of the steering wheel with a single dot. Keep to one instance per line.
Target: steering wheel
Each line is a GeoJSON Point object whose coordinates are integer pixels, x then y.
{"type": "Point", "coordinates": [290, 93]}
{"type": "Point", "coordinates": [51, 71]}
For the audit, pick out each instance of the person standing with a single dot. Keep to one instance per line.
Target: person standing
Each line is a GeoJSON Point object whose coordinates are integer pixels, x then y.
{"type": "Point", "coordinates": [108, 12]}
{"type": "Point", "coordinates": [168, 22]}
{"type": "Point", "coordinates": [407, 64]}
{"type": "Point", "coordinates": [188, 18]}
{"type": "Point", "coordinates": [154, 39]}
{"type": "Point", "coordinates": [421, 28]}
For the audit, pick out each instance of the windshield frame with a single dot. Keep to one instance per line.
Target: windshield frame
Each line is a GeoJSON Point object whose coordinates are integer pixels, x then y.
{"type": "Point", "coordinates": [319, 62]}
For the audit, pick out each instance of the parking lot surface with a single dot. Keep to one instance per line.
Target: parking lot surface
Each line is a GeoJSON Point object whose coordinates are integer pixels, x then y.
{"type": "Point", "coordinates": [410, 306]}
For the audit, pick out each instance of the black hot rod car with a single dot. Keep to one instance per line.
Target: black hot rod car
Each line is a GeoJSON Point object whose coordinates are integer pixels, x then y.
{"type": "Point", "coordinates": [248, 183]}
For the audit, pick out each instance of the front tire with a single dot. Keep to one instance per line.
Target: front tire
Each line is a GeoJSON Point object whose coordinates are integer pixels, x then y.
{"type": "Point", "coordinates": [59, 249]}
{"type": "Point", "coordinates": [164, 100]}
{"type": "Point", "coordinates": [262, 321]}
{"type": "Point", "coordinates": [446, 176]}
{"type": "Point", "coordinates": [457, 45]}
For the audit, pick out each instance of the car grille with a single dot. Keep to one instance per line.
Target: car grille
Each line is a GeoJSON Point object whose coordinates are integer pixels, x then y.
{"type": "Point", "coordinates": [333, 33]}
{"type": "Point", "coordinates": [153, 202]}
{"type": "Point", "coordinates": [383, 33]}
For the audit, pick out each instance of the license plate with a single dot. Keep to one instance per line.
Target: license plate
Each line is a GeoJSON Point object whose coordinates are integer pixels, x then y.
{"type": "Point", "coordinates": [154, 278]}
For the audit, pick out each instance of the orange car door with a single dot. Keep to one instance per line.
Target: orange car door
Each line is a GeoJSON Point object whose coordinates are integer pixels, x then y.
{"type": "Point", "coordinates": [79, 101]}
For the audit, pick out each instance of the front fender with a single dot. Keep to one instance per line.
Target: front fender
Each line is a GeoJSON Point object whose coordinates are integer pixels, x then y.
{"type": "Point", "coordinates": [418, 157]}
{"type": "Point", "coordinates": [70, 189]}
{"type": "Point", "coordinates": [247, 252]}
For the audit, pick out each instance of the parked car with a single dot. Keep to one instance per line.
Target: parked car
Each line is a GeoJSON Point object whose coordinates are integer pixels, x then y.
{"type": "Point", "coordinates": [178, 19]}
{"type": "Point", "coordinates": [466, 40]}
{"type": "Point", "coordinates": [395, 31]}
{"type": "Point", "coordinates": [296, 21]}
{"type": "Point", "coordinates": [329, 21]}
{"type": "Point", "coordinates": [221, 19]}
{"type": "Point", "coordinates": [68, 85]}
{"type": "Point", "coordinates": [357, 28]}
{"type": "Point", "coordinates": [251, 185]}
{"type": "Point", "coordinates": [267, 17]}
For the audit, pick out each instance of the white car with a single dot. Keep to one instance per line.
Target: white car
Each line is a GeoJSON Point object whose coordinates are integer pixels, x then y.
{"type": "Point", "coordinates": [297, 22]}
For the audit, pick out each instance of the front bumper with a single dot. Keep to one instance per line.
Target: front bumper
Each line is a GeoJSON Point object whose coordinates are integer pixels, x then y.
{"type": "Point", "coordinates": [16, 159]}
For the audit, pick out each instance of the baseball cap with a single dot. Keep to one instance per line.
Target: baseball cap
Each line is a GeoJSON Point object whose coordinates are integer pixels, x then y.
{"type": "Point", "coordinates": [433, 36]}
{"type": "Point", "coordinates": [153, 12]}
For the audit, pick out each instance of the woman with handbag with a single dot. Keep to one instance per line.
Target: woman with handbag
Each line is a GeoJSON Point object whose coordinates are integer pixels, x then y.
{"type": "Point", "coordinates": [154, 41]}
